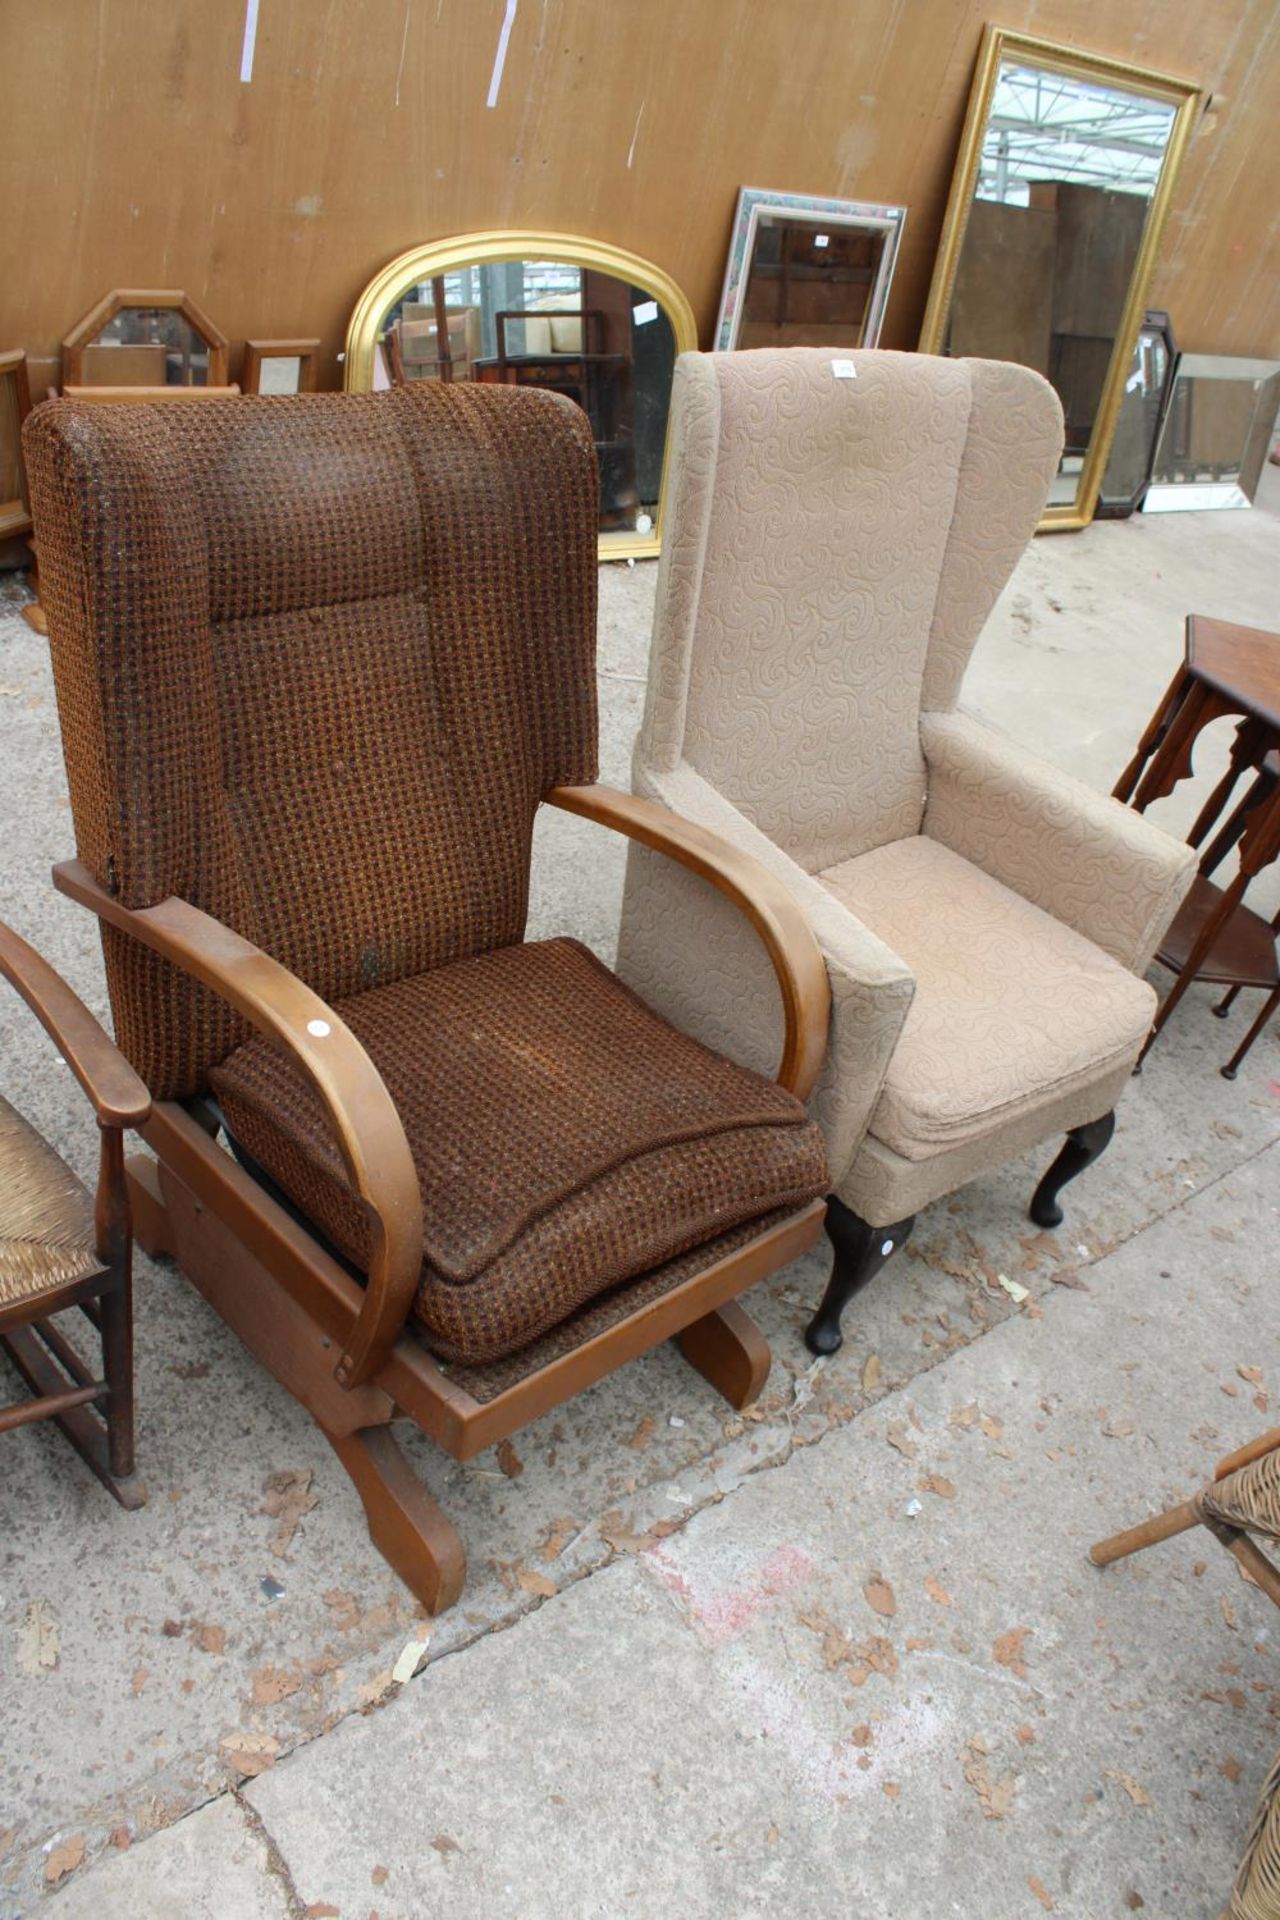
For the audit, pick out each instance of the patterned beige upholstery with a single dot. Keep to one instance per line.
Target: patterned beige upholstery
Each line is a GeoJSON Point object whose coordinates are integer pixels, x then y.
{"type": "Point", "coordinates": [833, 548]}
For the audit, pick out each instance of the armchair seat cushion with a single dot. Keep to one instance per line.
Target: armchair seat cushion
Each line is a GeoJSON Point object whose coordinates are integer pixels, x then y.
{"type": "Point", "coordinates": [1012, 1009]}
{"type": "Point", "coordinates": [565, 1137]}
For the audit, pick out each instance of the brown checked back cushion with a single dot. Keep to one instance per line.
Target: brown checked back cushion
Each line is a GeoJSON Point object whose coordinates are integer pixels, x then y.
{"type": "Point", "coordinates": [317, 660]}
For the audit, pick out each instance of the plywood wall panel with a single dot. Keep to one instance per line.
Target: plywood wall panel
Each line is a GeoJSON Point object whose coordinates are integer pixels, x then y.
{"type": "Point", "coordinates": [132, 152]}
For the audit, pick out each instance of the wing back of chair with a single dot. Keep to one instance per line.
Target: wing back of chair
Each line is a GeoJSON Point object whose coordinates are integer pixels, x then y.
{"type": "Point", "coordinates": [317, 659]}
{"type": "Point", "coordinates": [834, 545]}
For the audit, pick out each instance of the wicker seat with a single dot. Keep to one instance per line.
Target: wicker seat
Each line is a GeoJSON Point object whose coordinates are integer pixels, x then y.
{"type": "Point", "coordinates": [1241, 1501]}
{"type": "Point", "coordinates": [63, 1248]}
{"type": "Point", "coordinates": [319, 662]}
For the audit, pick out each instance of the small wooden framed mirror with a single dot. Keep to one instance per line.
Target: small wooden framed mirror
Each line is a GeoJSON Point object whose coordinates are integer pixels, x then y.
{"type": "Point", "coordinates": [145, 337]}
{"type": "Point", "coordinates": [280, 366]}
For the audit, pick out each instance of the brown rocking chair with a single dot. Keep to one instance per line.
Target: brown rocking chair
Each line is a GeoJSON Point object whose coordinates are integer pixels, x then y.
{"type": "Point", "coordinates": [61, 1248]}
{"type": "Point", "coordinates": [319, 660]}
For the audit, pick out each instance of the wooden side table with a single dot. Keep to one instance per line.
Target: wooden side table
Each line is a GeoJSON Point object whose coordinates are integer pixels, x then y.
{"type": "Point", "coordinates": [1228, 670]}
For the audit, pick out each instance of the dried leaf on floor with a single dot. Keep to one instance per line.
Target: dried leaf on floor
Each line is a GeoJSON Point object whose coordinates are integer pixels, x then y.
{"type": "Point", "coordinates": [64, 1859]}
{"type": "Point", "coordinates": [289, 1496]}
{"type": "Point", "coordinates": [1134, 1788]}
{"type": "Point", "coordinates": [1041, 1893]}
{"type": "Point", "coordinates": [965, 1417]}
{"type": "Point", "coordinates": [993, 1428]}
{"type": "Point", "coordinates": [39, 1640]}
{"type": "Point", "coordinates": [1230, 1769]}
{"type": "Point", "coordinates": [250, 1753]}
{"type": "Point", "coordinates": [208, 1637]}
{"type": "Point", "coordinates": [140, 1678]}
{"type": "Point", "coordinates": [995, 1797]}
{"type": "Point", "coordinates": [445, 1843]}
{"type": "Point", "coordinates": [1025, 1736]}
{"type": "Point", "coordinates": [1252, 1374]}
{"type": "Point", "coordinates": [898, 1437]}
{"type": "Point", "coordinates": [871, 1374]}
{"type": "Point", "coordinates": [344, 1607]}
{"type": "Point", "coordinates": [271, 1685]}
{"type": "Point", "coordinates": [536, 1583]}
{"type": "Point", "coordinates": [936, 1591]}
{"type": "Point", "coordinates": [1014, 1288]}
{"type": "Point", "coordinates": [1010, 1650]}
{"type": "Point", "coordinates": [937, 1483]}
{"type": "Point", "coordinates": [879, 1596]}
{"type": "Point", "coordinates": [643, 1433]}
{"type": "Point", "coordinates": [509, 1460]}
{"type": "Point", "coordinates": [1229, 1614]}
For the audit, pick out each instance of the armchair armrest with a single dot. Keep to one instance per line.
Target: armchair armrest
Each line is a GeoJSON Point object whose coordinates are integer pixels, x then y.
{"type": "Point", "coordinates": [114, 1090]}
{"type": "Point", "coordinates": [795, 955]}
{"type": "Point", "coordinates": [368, 1128]}
{"type": "Point", "coordinates": [1089, 861]}
{"type": "Point", "coordinates": [679, 948]}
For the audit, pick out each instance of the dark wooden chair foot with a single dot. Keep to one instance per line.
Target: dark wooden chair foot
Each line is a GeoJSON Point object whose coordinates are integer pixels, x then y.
{"type": "Point", "coordinates": [1079, 1150]}
{"type": "Point", "coordinates": [860, 1252]}
{"type": "Point", "coordinates": [152, 1229]}
{"type": "Point", "coordinates": [405, 1524]}
{"type": "Point", "coordinates": [728, 1349]}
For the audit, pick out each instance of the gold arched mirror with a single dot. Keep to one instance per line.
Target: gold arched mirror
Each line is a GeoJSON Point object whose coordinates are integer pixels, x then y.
{"type": "Point", "coordinates": [1062, 186]}
{"type": "Point", "coordinates": [546, 310]}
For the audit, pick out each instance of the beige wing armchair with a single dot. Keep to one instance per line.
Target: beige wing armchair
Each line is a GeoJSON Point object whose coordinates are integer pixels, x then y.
{"type": "Point", "coordinates": [834, 545]}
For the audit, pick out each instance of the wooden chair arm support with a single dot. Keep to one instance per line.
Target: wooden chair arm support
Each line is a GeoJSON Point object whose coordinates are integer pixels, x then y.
{"type": "Point", "coordinates": [117, 1095]}
{"type": "Point", "coordinates": [797, 958]}
{"type": "Point", "coordinates": [1246, 1455]}
{"type": "Point", "coordinates": [368, 1128]}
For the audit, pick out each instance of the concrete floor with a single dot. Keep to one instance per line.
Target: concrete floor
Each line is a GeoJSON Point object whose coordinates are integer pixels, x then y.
{"type": "Point", "coordinates": [706, 1712]}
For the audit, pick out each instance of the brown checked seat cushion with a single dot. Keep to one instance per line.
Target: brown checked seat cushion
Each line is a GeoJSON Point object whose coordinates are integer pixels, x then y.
{"type": "Point", "coordinates": [566, 1138]}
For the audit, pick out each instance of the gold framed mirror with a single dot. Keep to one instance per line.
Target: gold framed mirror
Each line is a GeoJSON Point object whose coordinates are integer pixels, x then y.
{"type": "Point", "coordinates": [1061, 190]}
{"type": "Point", "coordinates": [552, 310]}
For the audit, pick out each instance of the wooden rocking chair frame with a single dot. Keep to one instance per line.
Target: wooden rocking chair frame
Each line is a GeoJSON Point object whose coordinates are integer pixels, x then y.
{"type": "Point", "coordinates": [345, 1351]}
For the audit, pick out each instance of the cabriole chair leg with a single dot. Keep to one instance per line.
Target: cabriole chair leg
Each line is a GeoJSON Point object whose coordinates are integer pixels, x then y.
{"type": "Point", "coordinates": [860, 1252]}
{"type": "Point", "coordinates": [1079, 1150]}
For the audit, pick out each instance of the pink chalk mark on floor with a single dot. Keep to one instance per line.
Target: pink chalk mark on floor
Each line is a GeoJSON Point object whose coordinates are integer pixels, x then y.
{"type": "Point", "coordinates": [725, 1613]}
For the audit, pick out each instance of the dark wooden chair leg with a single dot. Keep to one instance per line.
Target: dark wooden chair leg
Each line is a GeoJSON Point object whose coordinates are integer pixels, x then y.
{"type": "Point", "coordinates": [728, 1349]}
{"type": "Point", "coordinates": [860, 1252]}
{"type": "Point", "coordinates": [1265, 1012]}
{"type": "Point", "coordinates": [1079, 1150]}
{"type": "Point", "coordinates": [405, 1524]}
{"type": "Point", "coordinates": [116, 1327]}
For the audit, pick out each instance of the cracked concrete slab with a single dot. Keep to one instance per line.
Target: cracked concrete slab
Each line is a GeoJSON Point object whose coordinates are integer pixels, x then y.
{"type": "Point", "coordinates": [174, 1671]}
{"type": "Point", "coordinates": [882, 1679]}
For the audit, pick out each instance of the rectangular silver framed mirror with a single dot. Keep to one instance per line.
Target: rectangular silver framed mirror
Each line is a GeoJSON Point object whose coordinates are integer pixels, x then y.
{"type": "Point", "coordinates": [807, 272]}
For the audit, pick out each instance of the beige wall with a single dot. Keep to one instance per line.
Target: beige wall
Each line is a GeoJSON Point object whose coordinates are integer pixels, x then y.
{"type": "Point", "coordinates": [133, 155]}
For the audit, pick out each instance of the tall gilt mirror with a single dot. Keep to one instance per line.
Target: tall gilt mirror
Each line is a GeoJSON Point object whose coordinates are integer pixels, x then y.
{"type": "Point", "coordinates": [1062, 186]}
{"type": "Point", "coordinates": [545, 310]}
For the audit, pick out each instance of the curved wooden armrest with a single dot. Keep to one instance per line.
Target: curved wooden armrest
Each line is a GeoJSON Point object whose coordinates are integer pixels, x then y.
{"type": "Point", "coordinates": [364, 1118]}
{"type": "Point", "coordinates": [117, 1094]}
{"type": "Point", "coordinates": [766, 902]}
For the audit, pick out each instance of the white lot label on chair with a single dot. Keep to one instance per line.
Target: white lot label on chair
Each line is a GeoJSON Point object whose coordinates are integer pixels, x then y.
{"type": "Point", "coordinates": [844, 370]}
{"type": "Point", "coordinates": [320, 1028]}
{"type": "Point", "coordinates": [886, 1249]}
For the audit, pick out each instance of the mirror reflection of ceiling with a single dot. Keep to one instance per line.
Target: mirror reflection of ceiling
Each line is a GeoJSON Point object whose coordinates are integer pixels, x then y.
{"type": "Point", "coordinates": [1051, 126]}
{"type": "Point", "coordinates": [608, 345]}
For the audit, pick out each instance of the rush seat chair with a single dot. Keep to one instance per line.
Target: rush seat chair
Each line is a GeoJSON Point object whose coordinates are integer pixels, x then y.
{"type": "Point", "coordinates": [838, 531]}
{"type": "Point", "coordinates": [319, 660]}
{"type": "Point", "coordinates": [62, 1247]}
